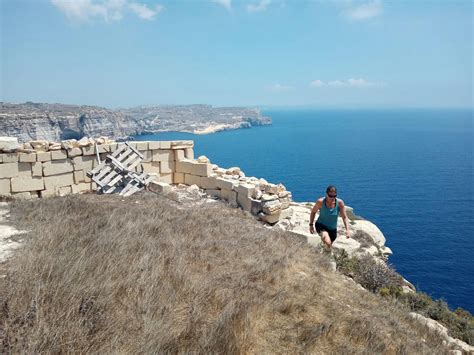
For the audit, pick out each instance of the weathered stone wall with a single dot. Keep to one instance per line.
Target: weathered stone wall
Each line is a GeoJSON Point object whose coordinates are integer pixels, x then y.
{"type": "Point", "coordinates": [41, 169]}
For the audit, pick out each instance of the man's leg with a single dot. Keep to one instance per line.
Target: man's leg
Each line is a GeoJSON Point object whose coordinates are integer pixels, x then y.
{"type": "Point", "coordinates": [325, 239]}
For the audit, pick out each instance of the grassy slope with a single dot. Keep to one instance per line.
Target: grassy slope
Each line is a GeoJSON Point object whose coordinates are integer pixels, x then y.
{"type": "Point", "coordinates": [99, 274]}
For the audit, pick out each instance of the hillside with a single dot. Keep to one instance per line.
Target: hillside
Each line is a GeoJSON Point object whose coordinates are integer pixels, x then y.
{"type": "Point", "coordinates": [147, 274]}
{"type": "Point", "coordinates": [32, 121]}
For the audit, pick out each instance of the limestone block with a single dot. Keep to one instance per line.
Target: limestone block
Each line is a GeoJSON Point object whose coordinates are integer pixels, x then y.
{"type": "Point", "coordinates": [10, 157]}
{"type": "Point", "coordinates": [37, 169]}
{"type": "Point", "coordinates": [103, 148]}
{"type": "Point", "coordinates": [9, 143]}
{"type": "Point", "coordinates": [58, 155]}
{"type": "Point", "coordinates": [178, 178]}
{"type": "Point", "coordinates": [27, 183]}
{"type": "Point", "coordinates": [167, 167]}
{"type": "Point", "coordinates": [271, 189]}
{"type": "Point", "coordinates": [168, 178]}
{"type": "Point", "coordinates": [249, 204]}
{"type": "Point", "coordinates": [190, 179]}
{"type": "Point", "coordinates": [214, 193]}
{"type": "Point", "coordinates": [74, 152]}
{"type": "Point", "coordinates": [225, 184]}
{"type": "Point", "coordinates": [79, 176]}
{"type": "Point", "coordinates": [89, 150]}
{"type": "Point", "coordinates": [208, 182]}
{"type": "Point", "coordinates": [65, 190]}
{"type": "Point", "coordinates": [5, 186]}
{"type": "Point", "coordinates": [85, 163]}
{"type": "Point", "coordinates": [179, 155]}
{"type": "Point", "coordinates": [43, 156]}
{"type": "Point", "coordinates": [147, 156]}
{"type": "Point", "coordinates": [267, 197]}
{"type": "Point", "coordinates": [189, 153]}
{"type": "Point", "coordinates": [56, 167]}
{"type": "Point", "coordinates": [22, 195]}
{"type": "Point", "coordinates": [54, 146]}
{"type": "Point", "coordinates": [68, 144]}
{"type": "Point", "coordinates": [81, 187]}
{"type": "Point", "coordinates": [159, 187]}
{"type": "Point", "coordinates": [24, 169]}
{"type": "Point", "coordinates": [8, 170]}
{"type": "Point", "coordinates": [27, 157]}
{"type": "Point", "coordinates": [194, 168]}
{"type": "Point", "coordinates": [246, 190]}
{"type": "Point", "coordinates": [162, 155]}
{"type": "Point", "coordinates": [40, 145]}
{"type": "Point", "coordinates": [285, 202]}
{"type": "Point", "coordinates": [113, 147]}
{"type": "Point", "coordinates": [56, 181]}
{"type": "Point", "coordinates": [154, 145]}
{"type": "Point", "coordinates": [230, 197]}
{"type": "Point", "coordinates": [153, 167]}
{"type": "Point", "coordinates": [182, 144]}
{"type": "Point", "coordinates": [165, 145]}
{"type": "Point", "coordinates": [271, 207]}
{"type": "Point", "coordinates": [270, 219]}
{"type": "Point", "coordinates": [142, 145]}
{"type": "Point", "coordinates": [47, 193]}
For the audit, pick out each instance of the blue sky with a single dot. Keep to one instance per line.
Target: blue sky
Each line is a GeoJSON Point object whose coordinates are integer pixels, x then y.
{"type": "Point", "coordinates": [118, 53]}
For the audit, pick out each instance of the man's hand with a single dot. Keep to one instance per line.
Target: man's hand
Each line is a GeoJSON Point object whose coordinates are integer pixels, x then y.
{"type": "Point", "coordinates": [311, 229]}
{"type": "Point", "coordinates": [348, 234]}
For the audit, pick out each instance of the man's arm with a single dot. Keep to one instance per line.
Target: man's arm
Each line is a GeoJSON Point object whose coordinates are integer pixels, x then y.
{"type": "Point", "coordinates": [314, 210]}
{"type": "Point", "coordinates": [345, 219]}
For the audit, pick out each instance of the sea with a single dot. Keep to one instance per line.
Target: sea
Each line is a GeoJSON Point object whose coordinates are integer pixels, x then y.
{"type": "Point", "coordinates": [409, 171]}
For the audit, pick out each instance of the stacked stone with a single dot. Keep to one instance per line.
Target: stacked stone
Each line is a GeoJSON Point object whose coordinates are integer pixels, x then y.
{"type": "Point", "coordinates": [42, 168]}
{"type": "Point", "coordinates": [268, 201]}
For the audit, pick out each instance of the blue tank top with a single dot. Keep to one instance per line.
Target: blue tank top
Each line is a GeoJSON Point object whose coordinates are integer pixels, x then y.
{"type": "Point", "coordinates": [328, 216]}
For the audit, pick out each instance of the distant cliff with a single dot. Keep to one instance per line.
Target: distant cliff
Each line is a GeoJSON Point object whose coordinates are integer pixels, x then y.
{"type": "Point", "coordinates": [57, 121]}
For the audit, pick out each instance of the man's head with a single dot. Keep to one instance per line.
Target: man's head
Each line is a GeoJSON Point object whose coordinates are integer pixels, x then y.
{"type": "Point", "coordinates": [331, 191]}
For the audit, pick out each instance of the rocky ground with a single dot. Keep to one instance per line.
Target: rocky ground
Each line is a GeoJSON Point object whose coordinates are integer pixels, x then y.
{"type": "Point", "coordinates": [10, 237]}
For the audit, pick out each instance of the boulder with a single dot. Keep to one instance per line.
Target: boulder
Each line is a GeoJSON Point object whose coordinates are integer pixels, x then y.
{"type": "Point", "coordinates": [271, 207]}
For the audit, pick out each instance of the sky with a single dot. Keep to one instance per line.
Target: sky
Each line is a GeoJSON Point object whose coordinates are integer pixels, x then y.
{"type": "Point", "coordinates": [267, 53]}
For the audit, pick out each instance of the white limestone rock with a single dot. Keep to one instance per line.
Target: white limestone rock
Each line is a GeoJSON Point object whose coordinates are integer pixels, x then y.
{"type": "Point", "coordinates": [203, 159]}
{"type": "Point", "coordinates": [8, 144]}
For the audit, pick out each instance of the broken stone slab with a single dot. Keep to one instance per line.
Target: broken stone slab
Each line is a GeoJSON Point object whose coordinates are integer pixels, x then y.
{"type": "Point", "coordinates": [267, 197]}
{"type": "Point", "coordinates": [225, 184]}
{"type": "Point", "coordinates": [159, 187]}
{"type": "Point", "coordinates": [285, 202]}
{"type": "Point", "coordinates": [40, 145]}
{"type": "Point", "coordinates": [249, 204]}
{"type": "Point", "coordinates": [9, 144]}
{"type": "Point", "coordinates": [246, 190]}
{"type": "Point", "coordinates": [69, 144]}
{"type": "Point", "coordinates": [271, 207]}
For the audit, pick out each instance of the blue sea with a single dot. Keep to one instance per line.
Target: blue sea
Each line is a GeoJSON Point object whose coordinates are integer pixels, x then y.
{"type": "Point", "coordinates": [408, 171]}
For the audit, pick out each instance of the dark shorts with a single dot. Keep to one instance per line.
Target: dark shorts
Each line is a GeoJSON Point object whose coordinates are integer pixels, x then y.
{"type": "Point", "coordinates": [332, 232]}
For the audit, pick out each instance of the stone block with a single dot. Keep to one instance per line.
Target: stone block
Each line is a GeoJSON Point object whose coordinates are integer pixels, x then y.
{"type": "Point", "coordinates": [27, 183]}
{"type": "Point", "coordinates": [162, 155]}
{"type": "Point", "coordinates": [178, 178]}
{"type": "Point", "coordinates": [113, 147]}
{"type": "Point", "coordinates": [182, 144]}
{"type": "Point", "coordinates": [9, 143]}
{"type": "Point", "coordinates": [190, 179]}
{"type": "Point", "coordinates": [179, 155]}
{"type": "Point", "coordinates": [74, 152]}
{"type": "Point", "coordinates": [5, 186]}
{"type": "Point", "coordinates": [214, 193]}
{"type": "Point", "coordinates": [159, 187]}
{"type": "Point", "coordinates": [285, 202]}
{"type": "Point", "coordinates": [147, 156]}
{"type": "Point", "coordinates": [154, 145]}
{"type": "Point", "coordinates": [271, 207]}
{"type": "Point", "coordinates": [168, 178]}
{"type": "Point", "coordinates": [194, 168]}
{"type": "Point", "coordinates": [246, 190]}
{"type": "Point", "coordinates": [103, 148]}
{"type": "Point", "coordinates": [10, 157]}
{"type": "Point", "coordinates": [47, 193]}
{"type": "Point", "coordinates": [37, 169]}
{"type": "Point", "coordinates": [58, 154]}
{"type": "Point", "coordinates": [167, 167]}
{"type": "Point", "coordinates": [225, 184]}
{"type": "Point", "coordinates": [142, 145]}
{"type": "Point", "coordinates": [24, 169]}
{"type": "Point", "coordinates": [189, 153]}
{"type": "Point", "coordinates": [270, 219]}
{"type": "Point", "coordinates": [40, 145]}
{"type": "Point", "coordinates": [90, 150]}
{"type": "Point", "coordinates": [79, 176]}
{"type": "Point", "coordinates": [8, 170]}
{"type": "Point", "coordinates": [85, 163]}
{"type": "Point", "coordinates": [165, 144]}
{"type": "Point", "coordinates": [81, 187]}
{"type": "Point", "coordinates": [56, 167]}
{"type": "Point", "coordinates": [249, 204]}
{"type": "Point", "coordinates": [230, 197]}
{"type": "Point", "coordinates": [54, 182]}
{"type": "Point", "coordinates": [153, 167]}
{"type": "Point", "coordinates": [43, 156]}
{"type": "Point", "coordinates": [65, 190]}
{"type": "Point", "coordinates": [208, 183]}
{"type": "Point", "coordinates": [27, 157]}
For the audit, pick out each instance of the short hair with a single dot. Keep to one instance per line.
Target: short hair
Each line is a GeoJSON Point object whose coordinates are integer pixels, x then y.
{"type": "Point", "coordinates": [331, 187]}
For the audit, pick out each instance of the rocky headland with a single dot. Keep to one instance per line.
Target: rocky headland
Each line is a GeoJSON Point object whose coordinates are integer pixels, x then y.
{"type": "Point", "coordinates": [53, 122]}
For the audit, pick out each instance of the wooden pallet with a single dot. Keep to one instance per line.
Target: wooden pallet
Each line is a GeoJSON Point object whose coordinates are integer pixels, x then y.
{"type": "Point", "coordinates": [117, 172]}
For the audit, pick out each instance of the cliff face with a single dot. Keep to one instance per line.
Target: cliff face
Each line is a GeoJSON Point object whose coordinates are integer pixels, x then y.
{"type": "Point", "coordinates": [53, 122]}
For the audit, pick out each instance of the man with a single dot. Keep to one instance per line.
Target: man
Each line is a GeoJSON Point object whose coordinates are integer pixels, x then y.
{"type": "Point", "coordinates": [329, 208]}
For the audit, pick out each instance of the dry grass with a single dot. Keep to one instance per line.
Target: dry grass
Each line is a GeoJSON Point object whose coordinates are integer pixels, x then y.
{"type": "Point", "coordinates": [98, 274]}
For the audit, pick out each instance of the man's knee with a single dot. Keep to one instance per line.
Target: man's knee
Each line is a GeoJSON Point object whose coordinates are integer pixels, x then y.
{"type": "Point", "coordinates": [325, 237]}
